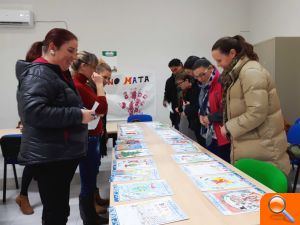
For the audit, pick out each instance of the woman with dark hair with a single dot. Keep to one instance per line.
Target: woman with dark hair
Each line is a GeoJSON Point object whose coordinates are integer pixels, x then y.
{"type": "Point", "coordinates": [191, 105]}
{"type": "Point", "coordinates": [22, 199]}
{"type": "Point", "coordinates": [211, 109]}
{"type": "Point", "coordinates": [84, 69]}
{"type": "Point", "coordinates": [54, 137]}
{"type": "Point", "coordinates": [252, 114]}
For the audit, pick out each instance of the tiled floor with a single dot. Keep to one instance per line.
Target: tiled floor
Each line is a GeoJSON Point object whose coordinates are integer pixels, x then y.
{"type": "Point", "coordinates": [10, 213]}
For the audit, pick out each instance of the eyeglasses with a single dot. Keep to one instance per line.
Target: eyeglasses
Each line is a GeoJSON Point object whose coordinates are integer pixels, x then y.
{"type": "Point", "coordinates": [202, 74]}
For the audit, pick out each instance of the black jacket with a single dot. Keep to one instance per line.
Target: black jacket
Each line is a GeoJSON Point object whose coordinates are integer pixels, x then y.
{"type": "Point", "coordinates": [171, 92]}
{"type": "Point", "coordinates": [191, 110]}
{"type": "Point", "coordinates": [49, 108]}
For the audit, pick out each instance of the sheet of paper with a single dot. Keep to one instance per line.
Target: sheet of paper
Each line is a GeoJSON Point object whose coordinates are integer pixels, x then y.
{"type": "Point", "coordinates": [192, 158]}
{"type": "Point", "coordinates": [95, 106]}
{"type": "Point", "coordinates": [94, 123]}
{"type": "Point", "coordinates": [158, 125]}
{"type": "Point", "coordinates": [184, 148]}
{"type": "Point", "coordinates": [169, 108]}
{"type": "Point", "coordinates": [134, 175]}
{"type": "Point", "coordinates": [151, 212]}
{"type": "Point", "coordinates": [128, 142]}
{"type": "Point", "coordinates": [236, 201]}
{"type": "Point", "coordinates": [130, 131]}
{"type": "Point", "coordinates": [141, 190]}
{"type": "Point", "coordinates": [131, 153]}
{"type": "Point", "coordinates": [206, 168]}
{"type": "Point", "coordinates": [136, 146]}
{"type": "Point", "coordinates": [223, 181]}
{"type": "Point", "coordinates": [133, 163]}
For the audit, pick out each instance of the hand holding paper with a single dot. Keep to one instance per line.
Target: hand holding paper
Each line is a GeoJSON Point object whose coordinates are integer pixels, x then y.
{"type": "Point", "coordinates": [169, 107]}
{"type": "Point", "coordinates": [93, 123]}
{"type": "Point", "coordinates": [87, 116]}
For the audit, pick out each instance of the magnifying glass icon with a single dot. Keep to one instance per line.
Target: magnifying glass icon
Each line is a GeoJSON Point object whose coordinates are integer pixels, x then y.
{"type": "Point", "coordinates": [277, 205]}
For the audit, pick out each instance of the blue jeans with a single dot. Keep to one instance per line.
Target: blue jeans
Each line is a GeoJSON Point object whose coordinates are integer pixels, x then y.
{"type": "Point", "coordinates": [88, 167]}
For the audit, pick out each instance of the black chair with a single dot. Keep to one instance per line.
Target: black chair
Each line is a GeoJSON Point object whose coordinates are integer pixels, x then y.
{"type": "Point", "coordinates": [10, 146]}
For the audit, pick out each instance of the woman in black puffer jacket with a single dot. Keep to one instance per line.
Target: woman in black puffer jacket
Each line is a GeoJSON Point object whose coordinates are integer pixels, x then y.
{"type": "Point", "coordinates": [54, 124]}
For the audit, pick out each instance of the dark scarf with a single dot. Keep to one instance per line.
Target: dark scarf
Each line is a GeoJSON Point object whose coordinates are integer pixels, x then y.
{"type": "Point", "coordinates": [204, 106]}
{"type": "Point", "coordinates": [229, 77]}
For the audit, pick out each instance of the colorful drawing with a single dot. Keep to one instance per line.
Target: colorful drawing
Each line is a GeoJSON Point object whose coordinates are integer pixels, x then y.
{"type": "Point", "coordinates": [134, 174]}
{"type": "Point", "coordinates": [192, 158]}
{"type": "Point", "coordinates": [184, 148]}
{"type": "Point", "coordinates": [135, 99]}
{"type": "Point", "coordinates": [128, 142]}
{"type": "Point", "coordinates": [206, 168]}
{"type": "Point", "coordinates": [157, 211]}
{"type": "Point", "coordinates": [130, 130]}
{"type": "Point", "coordinates": [236, 201]}
{"type": "Point", "coordinates": [136, 163]}
{"type": "Point", "coordinates": [136, 146]}
{"type": "Point", "coordinates": [131, 153]}
{"type": "Point", "coordinates": [223, 181]}
{"type": "Point", "coordinates": [158, 125]}
{"type": "Point", "coordinates": [141, 190]}
{"type": "Point", "coordinates": [177, 141]}
{"type": "Point", "coordinates": [126, 137]}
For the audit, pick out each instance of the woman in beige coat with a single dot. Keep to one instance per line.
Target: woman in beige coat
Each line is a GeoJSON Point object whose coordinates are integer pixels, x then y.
{"type": "Point", "coordinates": [252, 114]}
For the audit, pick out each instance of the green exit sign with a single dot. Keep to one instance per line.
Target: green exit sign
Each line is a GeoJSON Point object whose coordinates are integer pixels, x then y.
{"type": "Point", "coordinates": [109, 53]}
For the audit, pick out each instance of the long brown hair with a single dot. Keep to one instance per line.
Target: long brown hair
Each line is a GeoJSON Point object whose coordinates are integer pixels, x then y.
{"type": "Point", "coordinates": [34, 52]}
{"type": "Point", "coordinates": [238, 43]}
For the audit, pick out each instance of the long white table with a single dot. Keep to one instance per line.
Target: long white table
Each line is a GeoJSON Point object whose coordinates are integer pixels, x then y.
{"type": "Point", "coordinates": [190, 199]}
{"type": "Point", "coordinates": [9, 131]}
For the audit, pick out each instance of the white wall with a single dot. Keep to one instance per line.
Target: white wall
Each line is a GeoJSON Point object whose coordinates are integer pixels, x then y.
{"type": "Point", "coordinates": [146, 34]}
{"type": "Point", "coordinates": [274, 18]}
{"type": "Point", "coordinates": [277, 18]}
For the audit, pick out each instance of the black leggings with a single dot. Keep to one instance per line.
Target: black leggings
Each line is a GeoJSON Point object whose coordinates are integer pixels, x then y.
{"type": "Point", "coordinates": [26, 179]}
{"type": "Point", "coordinates": [54, 186]}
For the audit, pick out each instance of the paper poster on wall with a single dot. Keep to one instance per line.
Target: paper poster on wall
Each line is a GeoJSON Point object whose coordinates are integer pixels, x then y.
{"type": "Point", "coordinates": [130, 94]}
{"type": "Point", "coordinates": [111, 58]}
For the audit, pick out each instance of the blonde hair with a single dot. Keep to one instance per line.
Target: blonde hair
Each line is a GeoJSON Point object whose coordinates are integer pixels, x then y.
{"type": "Point", "coordinates": [102, 66]}
{"type": "Point", "coordinates": [84, 57]}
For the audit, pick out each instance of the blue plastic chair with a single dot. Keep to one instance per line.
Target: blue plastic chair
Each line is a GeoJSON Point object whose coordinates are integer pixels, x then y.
{"type": "Point", "coordinates": [293, 134]}
{"type": "Point", "coordinates": [139, 118]}
{"type": "Point", "coordinates": [10, 146]}
{"type": "Point", "coordinates": [293, 137]}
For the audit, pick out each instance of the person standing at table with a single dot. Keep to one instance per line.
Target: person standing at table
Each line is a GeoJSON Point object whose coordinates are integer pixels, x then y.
{"type": "Point", "coordinates": [27, 175]}
{"type": "Point", "coordinates": [211, 109]}
{"type": "Point", "coordinates": [54, 137]}
{"type": "Point", "coordinates": [105, 71]}
{"type": "Point", "coordinates": [83, 69]}
{"type": "Point", "coordinates": [171, 92]}
{"type": "Point", "coordinates": [191, 102]}
{"type": "Point", "coordinates": [188, 65]}
{"type": "Point", "coordinates": [252, 113]}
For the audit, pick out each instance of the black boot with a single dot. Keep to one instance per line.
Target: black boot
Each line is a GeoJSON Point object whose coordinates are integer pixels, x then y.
{"type": "Point", "coordinates": [88, 213]}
